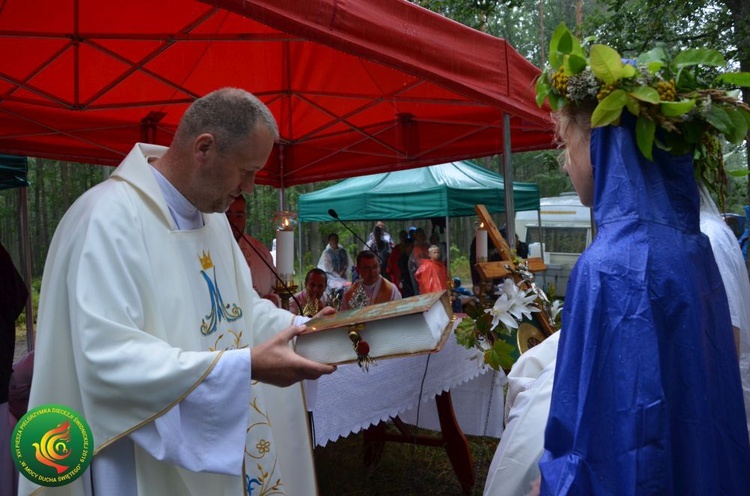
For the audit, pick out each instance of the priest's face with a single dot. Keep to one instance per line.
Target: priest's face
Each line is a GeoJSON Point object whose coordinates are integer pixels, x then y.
{"type": "Point", "coordinates": [315, 285]}
{"type": "Point", "coordinates": [368, 270]}
{"type": "Point", "coordinates": [227, 170]}
{"type": "Point", "coordinates": [237, 216]}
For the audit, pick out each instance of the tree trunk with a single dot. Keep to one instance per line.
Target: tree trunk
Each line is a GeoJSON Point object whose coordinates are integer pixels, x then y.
{"type": "Point", "coordinates": [40, 219]}
{"type": "Point", "coordinates": [44, 235]}
{"type": "Point", "coordinates": [740, 10]}
{"type": "Point", "coordinates": [542, 41]}
{"type": "Point", "coordinates": [64, 186]}
{"type": "Point", "coordinates": [315, 241]}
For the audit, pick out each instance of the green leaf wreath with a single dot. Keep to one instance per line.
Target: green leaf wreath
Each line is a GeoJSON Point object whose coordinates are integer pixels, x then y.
{"type": "Point", "coordinates": [682, 103]}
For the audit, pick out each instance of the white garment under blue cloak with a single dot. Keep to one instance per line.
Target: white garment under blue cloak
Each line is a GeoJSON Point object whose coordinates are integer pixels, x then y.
{"type": "Point", "coordinates": [647, 396]}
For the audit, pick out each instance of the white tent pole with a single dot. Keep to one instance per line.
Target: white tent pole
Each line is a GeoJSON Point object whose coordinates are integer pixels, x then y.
{"type": "Point", "coordinates": [282, 186]}
{"type": "Point", "coordinates": [300, 275]}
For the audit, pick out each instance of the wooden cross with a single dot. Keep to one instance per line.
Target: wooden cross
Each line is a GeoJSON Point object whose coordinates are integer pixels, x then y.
{"type": "Point", "coordinates": [502, 268]}
{"type": "Point", "coordinates": [496, 270]}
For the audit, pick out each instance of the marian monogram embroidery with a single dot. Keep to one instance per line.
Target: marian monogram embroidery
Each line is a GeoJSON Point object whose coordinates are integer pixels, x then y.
{"type": "Point", "coordinates": [261, 471]}
{"type": "Point", "coordinates": [219, 311]}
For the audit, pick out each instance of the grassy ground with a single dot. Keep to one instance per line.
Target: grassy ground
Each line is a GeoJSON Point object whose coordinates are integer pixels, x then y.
{"type": "Point", "coordinates": [405, 469]}
{"type": "Point", "coordinates": [20, 349]}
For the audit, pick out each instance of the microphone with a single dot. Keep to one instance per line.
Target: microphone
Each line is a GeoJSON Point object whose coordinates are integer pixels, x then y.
{"type": "Point", "coordinates": [333, 214]}
{"type": "Point", "coordinates": [270, 267]}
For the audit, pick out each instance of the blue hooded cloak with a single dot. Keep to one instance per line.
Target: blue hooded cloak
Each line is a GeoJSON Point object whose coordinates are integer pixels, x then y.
{"type": "Point", "coordinates": [647, 396]}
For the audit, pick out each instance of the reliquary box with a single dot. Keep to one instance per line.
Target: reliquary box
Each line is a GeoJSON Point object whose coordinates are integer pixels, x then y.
{"type": "Point", "coordinates": [418, 324]}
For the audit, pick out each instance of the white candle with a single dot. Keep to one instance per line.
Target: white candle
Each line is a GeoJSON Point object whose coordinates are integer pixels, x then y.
{"type": "Point", "coordinates": [481, 250]}
{"type": "Point", "coordinates": [285, 253]}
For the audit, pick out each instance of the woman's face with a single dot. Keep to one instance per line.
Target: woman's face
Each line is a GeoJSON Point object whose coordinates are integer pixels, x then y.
{"type": "Point", "coordinates": [578, 162]}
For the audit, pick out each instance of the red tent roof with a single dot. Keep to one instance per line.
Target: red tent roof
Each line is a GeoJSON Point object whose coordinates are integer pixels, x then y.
{"type": "Point", "coordinates": [358, 87]}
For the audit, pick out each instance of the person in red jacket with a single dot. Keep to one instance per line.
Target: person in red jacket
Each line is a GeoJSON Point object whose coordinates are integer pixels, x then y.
{"type": "Point", "coordinates": [432, 274]}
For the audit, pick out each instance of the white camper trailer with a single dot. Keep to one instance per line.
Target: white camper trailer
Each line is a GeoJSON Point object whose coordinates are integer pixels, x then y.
{"type": "Point", "coordinates": [565, 233]}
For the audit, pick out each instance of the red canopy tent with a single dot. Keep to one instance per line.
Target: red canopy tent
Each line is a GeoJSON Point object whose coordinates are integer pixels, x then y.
{"type": "Point", "coordinates": [358, 87]}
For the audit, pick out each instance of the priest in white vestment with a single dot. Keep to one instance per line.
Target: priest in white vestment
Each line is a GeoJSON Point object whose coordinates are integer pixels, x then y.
{"type": "Point", "coordinates": [150, 328]}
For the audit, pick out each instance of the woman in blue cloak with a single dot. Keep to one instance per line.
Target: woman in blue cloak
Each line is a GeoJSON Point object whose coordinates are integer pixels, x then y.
{"type": "Point", "coordinates": [647, 396]}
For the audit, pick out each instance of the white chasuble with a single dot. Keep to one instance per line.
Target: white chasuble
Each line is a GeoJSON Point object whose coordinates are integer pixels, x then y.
{"type": "Point", "coordinates": [134, 316]}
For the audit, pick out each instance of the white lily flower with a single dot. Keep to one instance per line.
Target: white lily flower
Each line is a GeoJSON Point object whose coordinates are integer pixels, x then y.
{"type": "Point", "coordinates": [513, 305]}
{"type": "Point", "coordinates": [526, 304]}
{"type": "Point", "coordinates": [555, 309]}
{"type": "Point", "coordinates": [500, 312]}
{"type": "Point", "coordinates": [508, 288]}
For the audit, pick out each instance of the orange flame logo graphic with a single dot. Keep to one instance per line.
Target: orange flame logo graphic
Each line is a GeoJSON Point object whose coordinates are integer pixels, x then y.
{"type": "Point", "coordinates": [53, 447]}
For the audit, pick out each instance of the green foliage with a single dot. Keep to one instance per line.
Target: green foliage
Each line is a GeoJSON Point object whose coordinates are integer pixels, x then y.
{"type": "Point", "coordinates": [542, 168]}
{"type": "Point", "coordinates": [36, 284]}
{"type": "Point", "coordinates": [634, 26]}
{"type": "Point", "coordinates": [628, 26]}
{"type": "Point", "coordinates": [671, 94]}
{"type": "Point", "coordinates": [609, 109]}
{"type": "Point", "coordinates": [466, 333]}
{"type": "Point", "coordinates": [478, 328]}
{"type": "Point", "coordinates": [499, 352]}
{"type": "Point", "coordinates": [737, 178]}
{"type": "Point", "coordinates": [637, 25]}
{"type": "Point", "coordinates": [501, 356]}
{"type": "Point", "coordinates": [459, 264]}
{"type": "Point", "coordinates": [473, 13]}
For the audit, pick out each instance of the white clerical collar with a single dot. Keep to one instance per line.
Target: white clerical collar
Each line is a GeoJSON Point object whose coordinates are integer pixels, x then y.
{"type": "Point", "coordinates": [372, 289]}
{"type": "Point", "coordinates": [184, 214]}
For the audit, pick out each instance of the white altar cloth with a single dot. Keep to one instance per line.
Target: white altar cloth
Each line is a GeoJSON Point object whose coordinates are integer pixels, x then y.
{"type": "Point", "coordinates": [350, 400]}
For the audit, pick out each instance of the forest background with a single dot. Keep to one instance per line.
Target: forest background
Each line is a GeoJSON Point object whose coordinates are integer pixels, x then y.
{"type": "Point", "coordinates": [630, 26]}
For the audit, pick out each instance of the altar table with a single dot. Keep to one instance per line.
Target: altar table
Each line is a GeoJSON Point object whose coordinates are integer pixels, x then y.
{"type": "Point", "coordinates": [350, 400]}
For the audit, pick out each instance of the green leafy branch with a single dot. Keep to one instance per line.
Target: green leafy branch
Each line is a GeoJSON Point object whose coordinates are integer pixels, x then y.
{"type": "Point", "coordinates": [680, 103]}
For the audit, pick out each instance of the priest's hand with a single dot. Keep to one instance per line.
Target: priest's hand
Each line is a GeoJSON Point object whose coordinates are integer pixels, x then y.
{"type": "Point", "coordinates": [324, 312]}
{"type": "Point", "coordinates": [274, 362]}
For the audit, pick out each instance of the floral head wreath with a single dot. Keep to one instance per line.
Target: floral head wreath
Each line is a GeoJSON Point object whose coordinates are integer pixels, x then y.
{"type": "Point", "coordinates": [664, 92]}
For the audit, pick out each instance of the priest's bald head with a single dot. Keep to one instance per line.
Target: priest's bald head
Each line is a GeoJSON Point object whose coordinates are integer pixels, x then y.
{"type": "Point", "coordinates": [222, 141]}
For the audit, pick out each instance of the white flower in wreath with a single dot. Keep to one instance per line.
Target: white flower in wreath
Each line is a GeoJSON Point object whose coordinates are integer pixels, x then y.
{"type": "Point", "coordinates": [555, 309]}
{"type": "Point", "coordinates": [512, 305]}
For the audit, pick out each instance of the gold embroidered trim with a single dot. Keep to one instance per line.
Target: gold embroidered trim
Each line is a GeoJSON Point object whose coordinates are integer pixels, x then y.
{"type": "Point", "coordinates": [165, 410]}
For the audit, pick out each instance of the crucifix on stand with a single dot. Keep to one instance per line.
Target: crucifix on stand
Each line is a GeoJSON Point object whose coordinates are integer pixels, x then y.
{"type": "Point", "coordinates": [530, 332]}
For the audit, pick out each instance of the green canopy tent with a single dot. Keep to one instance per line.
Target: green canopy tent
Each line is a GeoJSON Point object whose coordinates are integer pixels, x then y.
{"type": "Point", "coordinates": [445, 190]}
